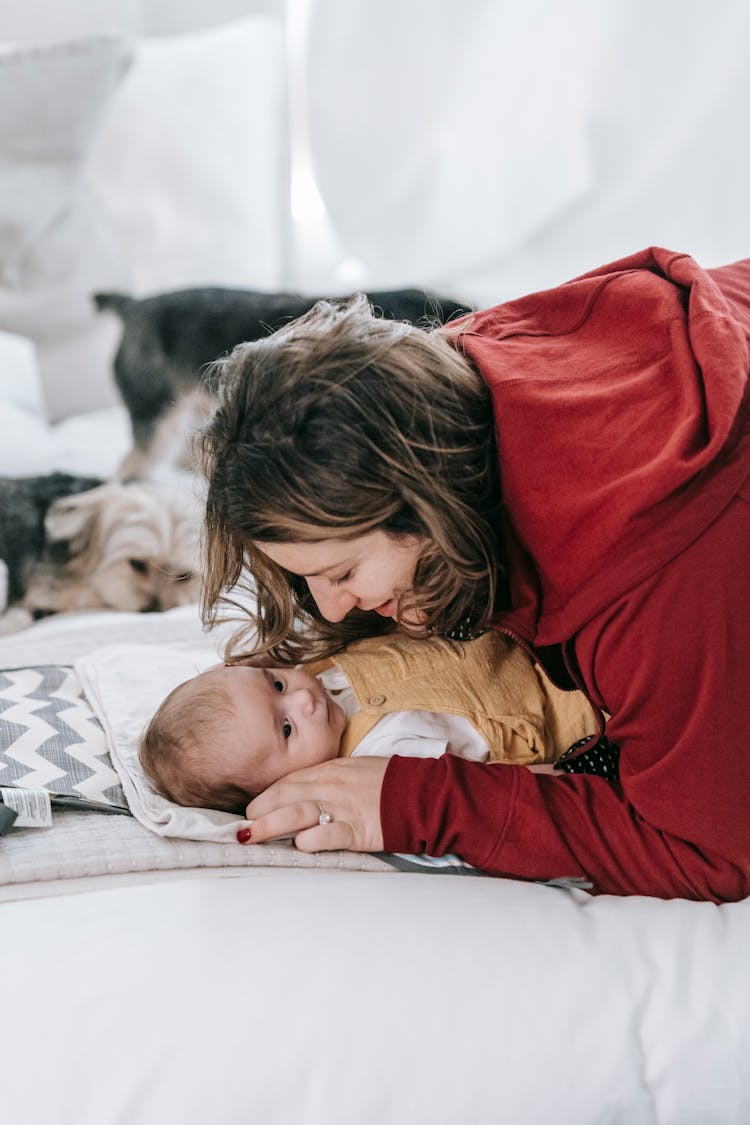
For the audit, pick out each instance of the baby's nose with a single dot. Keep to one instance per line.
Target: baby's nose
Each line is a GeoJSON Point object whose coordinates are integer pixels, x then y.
{"type": "Point", "coordinates": [305, 700]}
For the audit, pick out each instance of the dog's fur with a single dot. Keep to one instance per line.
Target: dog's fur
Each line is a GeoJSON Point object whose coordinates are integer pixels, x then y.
{"type": "Point", "coordinates": [71, 543]}
{"type": "Point", "coordinates": [168, 340]}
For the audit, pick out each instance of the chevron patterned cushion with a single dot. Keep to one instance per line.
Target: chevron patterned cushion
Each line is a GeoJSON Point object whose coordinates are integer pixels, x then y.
{"type": "Point", "coordinates": [51, 739]}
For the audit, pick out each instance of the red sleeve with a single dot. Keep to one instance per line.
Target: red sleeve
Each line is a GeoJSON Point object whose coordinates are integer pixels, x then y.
{"type": "Point", "coordinates": [671, 663]}
{"type": "Point", "coordinates": [507, 820]}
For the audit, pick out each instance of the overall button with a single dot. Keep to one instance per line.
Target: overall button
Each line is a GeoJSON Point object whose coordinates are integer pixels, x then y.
{"type": "Point", "coordinates": [376, 700]}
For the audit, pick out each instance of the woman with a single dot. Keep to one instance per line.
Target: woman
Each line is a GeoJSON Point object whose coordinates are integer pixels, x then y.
{"type": "Point", "coordinates": [572, 468]}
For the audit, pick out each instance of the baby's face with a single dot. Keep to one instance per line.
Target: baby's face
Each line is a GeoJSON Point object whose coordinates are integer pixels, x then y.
{"type": "Point", "coordinates": [282, 719]}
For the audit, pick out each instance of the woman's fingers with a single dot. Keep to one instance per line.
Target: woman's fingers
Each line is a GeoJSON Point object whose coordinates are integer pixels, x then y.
{"type": "Point", "coordinates": [336, 836]}
{"type": "Point", "coordinates": [283, 820]}
{"type": "Point", "coordinates": [348, 790]}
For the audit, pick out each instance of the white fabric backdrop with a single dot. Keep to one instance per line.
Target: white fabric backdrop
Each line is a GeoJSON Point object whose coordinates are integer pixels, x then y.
{"type": "Point", "coordinates": [50, 19]}
{"type": "Point", "coordinates": [484, 149]}
{"type": "Point", "coordinates": [495, 148]}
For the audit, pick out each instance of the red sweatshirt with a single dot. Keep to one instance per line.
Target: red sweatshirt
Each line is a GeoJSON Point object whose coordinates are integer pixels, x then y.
{"type": "Point", "coordinates": [621, 401]}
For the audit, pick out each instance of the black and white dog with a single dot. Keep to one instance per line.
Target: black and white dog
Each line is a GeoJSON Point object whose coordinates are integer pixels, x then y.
{"type": "Point", "coordinates": [167, 341]}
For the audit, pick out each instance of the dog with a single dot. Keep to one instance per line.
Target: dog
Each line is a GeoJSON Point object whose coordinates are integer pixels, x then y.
{"type": "Point", "coordinates": [168, 340]}
{"type": "Point", "coordinates": [75, 543]}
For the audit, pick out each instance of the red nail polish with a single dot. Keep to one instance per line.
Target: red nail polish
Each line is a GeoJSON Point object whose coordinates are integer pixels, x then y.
{"type": "Point", "coordinates": [243, 835]}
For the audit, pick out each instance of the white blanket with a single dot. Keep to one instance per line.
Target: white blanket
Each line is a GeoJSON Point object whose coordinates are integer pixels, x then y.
{"type": "Point", "coordinates": [125, 684]}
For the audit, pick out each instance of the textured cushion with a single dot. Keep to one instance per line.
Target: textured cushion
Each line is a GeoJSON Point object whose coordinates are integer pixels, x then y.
{"type": "Point", "coordinates": [54, 242]}
{"type": "Point", "coordinates": [51, 739]}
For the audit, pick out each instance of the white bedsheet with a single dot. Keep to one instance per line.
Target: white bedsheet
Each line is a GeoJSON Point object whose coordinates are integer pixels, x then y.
{"type": "Point", "coordinates": [62, 639]}
{"type": "Point", "coordinates": [335, 998]}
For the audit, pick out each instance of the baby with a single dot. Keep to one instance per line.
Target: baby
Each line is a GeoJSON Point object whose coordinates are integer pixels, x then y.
{"type": "Point", "coordinates": [223, 736]}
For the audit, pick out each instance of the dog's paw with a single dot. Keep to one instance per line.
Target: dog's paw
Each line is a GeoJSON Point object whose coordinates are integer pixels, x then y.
{"type": "Point", "coordinates": [14, 620]}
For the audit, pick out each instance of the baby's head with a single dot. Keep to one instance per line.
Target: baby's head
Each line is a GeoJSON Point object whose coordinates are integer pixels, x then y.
{"type": "Point", "coordinates": [230, 732]}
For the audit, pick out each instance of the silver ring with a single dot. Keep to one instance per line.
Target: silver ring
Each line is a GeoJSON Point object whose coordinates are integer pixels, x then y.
{"type": "Point", "coordinates": [325, 817]}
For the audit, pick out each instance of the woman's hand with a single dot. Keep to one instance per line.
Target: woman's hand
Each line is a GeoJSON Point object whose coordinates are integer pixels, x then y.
{"type": "Point", "coordinates": [347, 789]}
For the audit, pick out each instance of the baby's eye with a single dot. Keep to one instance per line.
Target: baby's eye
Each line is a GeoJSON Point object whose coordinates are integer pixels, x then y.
{"type": "Point", "coordinates": [343, 578]}
{"type": "Point", "coordinates": [278, 685]}
{"type": "Point", "coordinates": [287, 730]}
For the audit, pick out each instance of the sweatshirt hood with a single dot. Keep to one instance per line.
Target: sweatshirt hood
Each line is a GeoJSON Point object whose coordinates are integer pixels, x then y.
{"type": "Point", "coordinates": [620, 401]}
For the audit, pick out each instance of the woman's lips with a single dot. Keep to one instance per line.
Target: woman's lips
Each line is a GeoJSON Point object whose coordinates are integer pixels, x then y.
{"type": "Point", "coordinates": [387, 609]}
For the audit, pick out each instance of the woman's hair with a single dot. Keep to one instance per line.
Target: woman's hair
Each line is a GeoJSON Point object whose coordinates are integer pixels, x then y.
{"type": "Point", "coordinates": [340, 424]}
{"type": "Point", "coordinates": [175, 750]}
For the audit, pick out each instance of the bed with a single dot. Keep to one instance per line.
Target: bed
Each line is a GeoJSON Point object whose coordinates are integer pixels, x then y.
{"type": "Point", "coordinates": [151, 980]}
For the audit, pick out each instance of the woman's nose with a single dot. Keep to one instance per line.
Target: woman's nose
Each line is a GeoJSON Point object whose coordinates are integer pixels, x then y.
{"type": "Point", "coordinates": [333, 603]}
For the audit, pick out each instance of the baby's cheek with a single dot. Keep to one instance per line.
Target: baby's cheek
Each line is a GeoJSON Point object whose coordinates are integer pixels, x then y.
{"type": "Point", "coordinates": [333, 746]}
{"type": "Point", "coordinates": [338, 724]}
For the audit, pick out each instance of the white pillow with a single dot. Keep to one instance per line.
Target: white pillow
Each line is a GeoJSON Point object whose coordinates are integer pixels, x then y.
{"type": "Point", "coordinates": [90, 445]}
{"type": "Point", "coordinates": [26, 447]}
{"type": "Point", "coordinates": [20, 384]}
{"type": "Point", "coordinates": [25, 436]}
{"type": "Point", "coordinates": [54, 246]}
{"type": "Point", "coordinates": [191, 164]}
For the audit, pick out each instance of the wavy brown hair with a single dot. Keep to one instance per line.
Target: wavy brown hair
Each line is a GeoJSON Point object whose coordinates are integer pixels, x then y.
{"type": "Point", "coordinates": [340, 424]}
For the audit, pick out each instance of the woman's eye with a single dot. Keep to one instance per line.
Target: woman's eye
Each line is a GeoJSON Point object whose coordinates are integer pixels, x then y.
{"type": "Point", "coordinates": [287, 730]}
{"type": "Point", "coordinates": [278, 686]}
{"type": "Point", "coordinates": [343, 578]}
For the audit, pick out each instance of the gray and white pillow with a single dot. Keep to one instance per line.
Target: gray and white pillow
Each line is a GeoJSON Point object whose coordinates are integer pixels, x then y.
{"type": "Point", "coordinates": [51, 739]}
{"type": "Point", "coordinates": [57, 242]}
{"type": "Point", "coordinates": [139, 166]}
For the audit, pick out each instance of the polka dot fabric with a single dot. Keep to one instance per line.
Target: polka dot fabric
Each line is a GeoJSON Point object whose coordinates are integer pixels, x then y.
{"type": "Point", "coordinates": [601, 759]}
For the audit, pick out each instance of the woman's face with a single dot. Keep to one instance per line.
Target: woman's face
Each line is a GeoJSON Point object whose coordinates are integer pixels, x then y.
{"type": "Point", "coordinates": [368, 573]}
